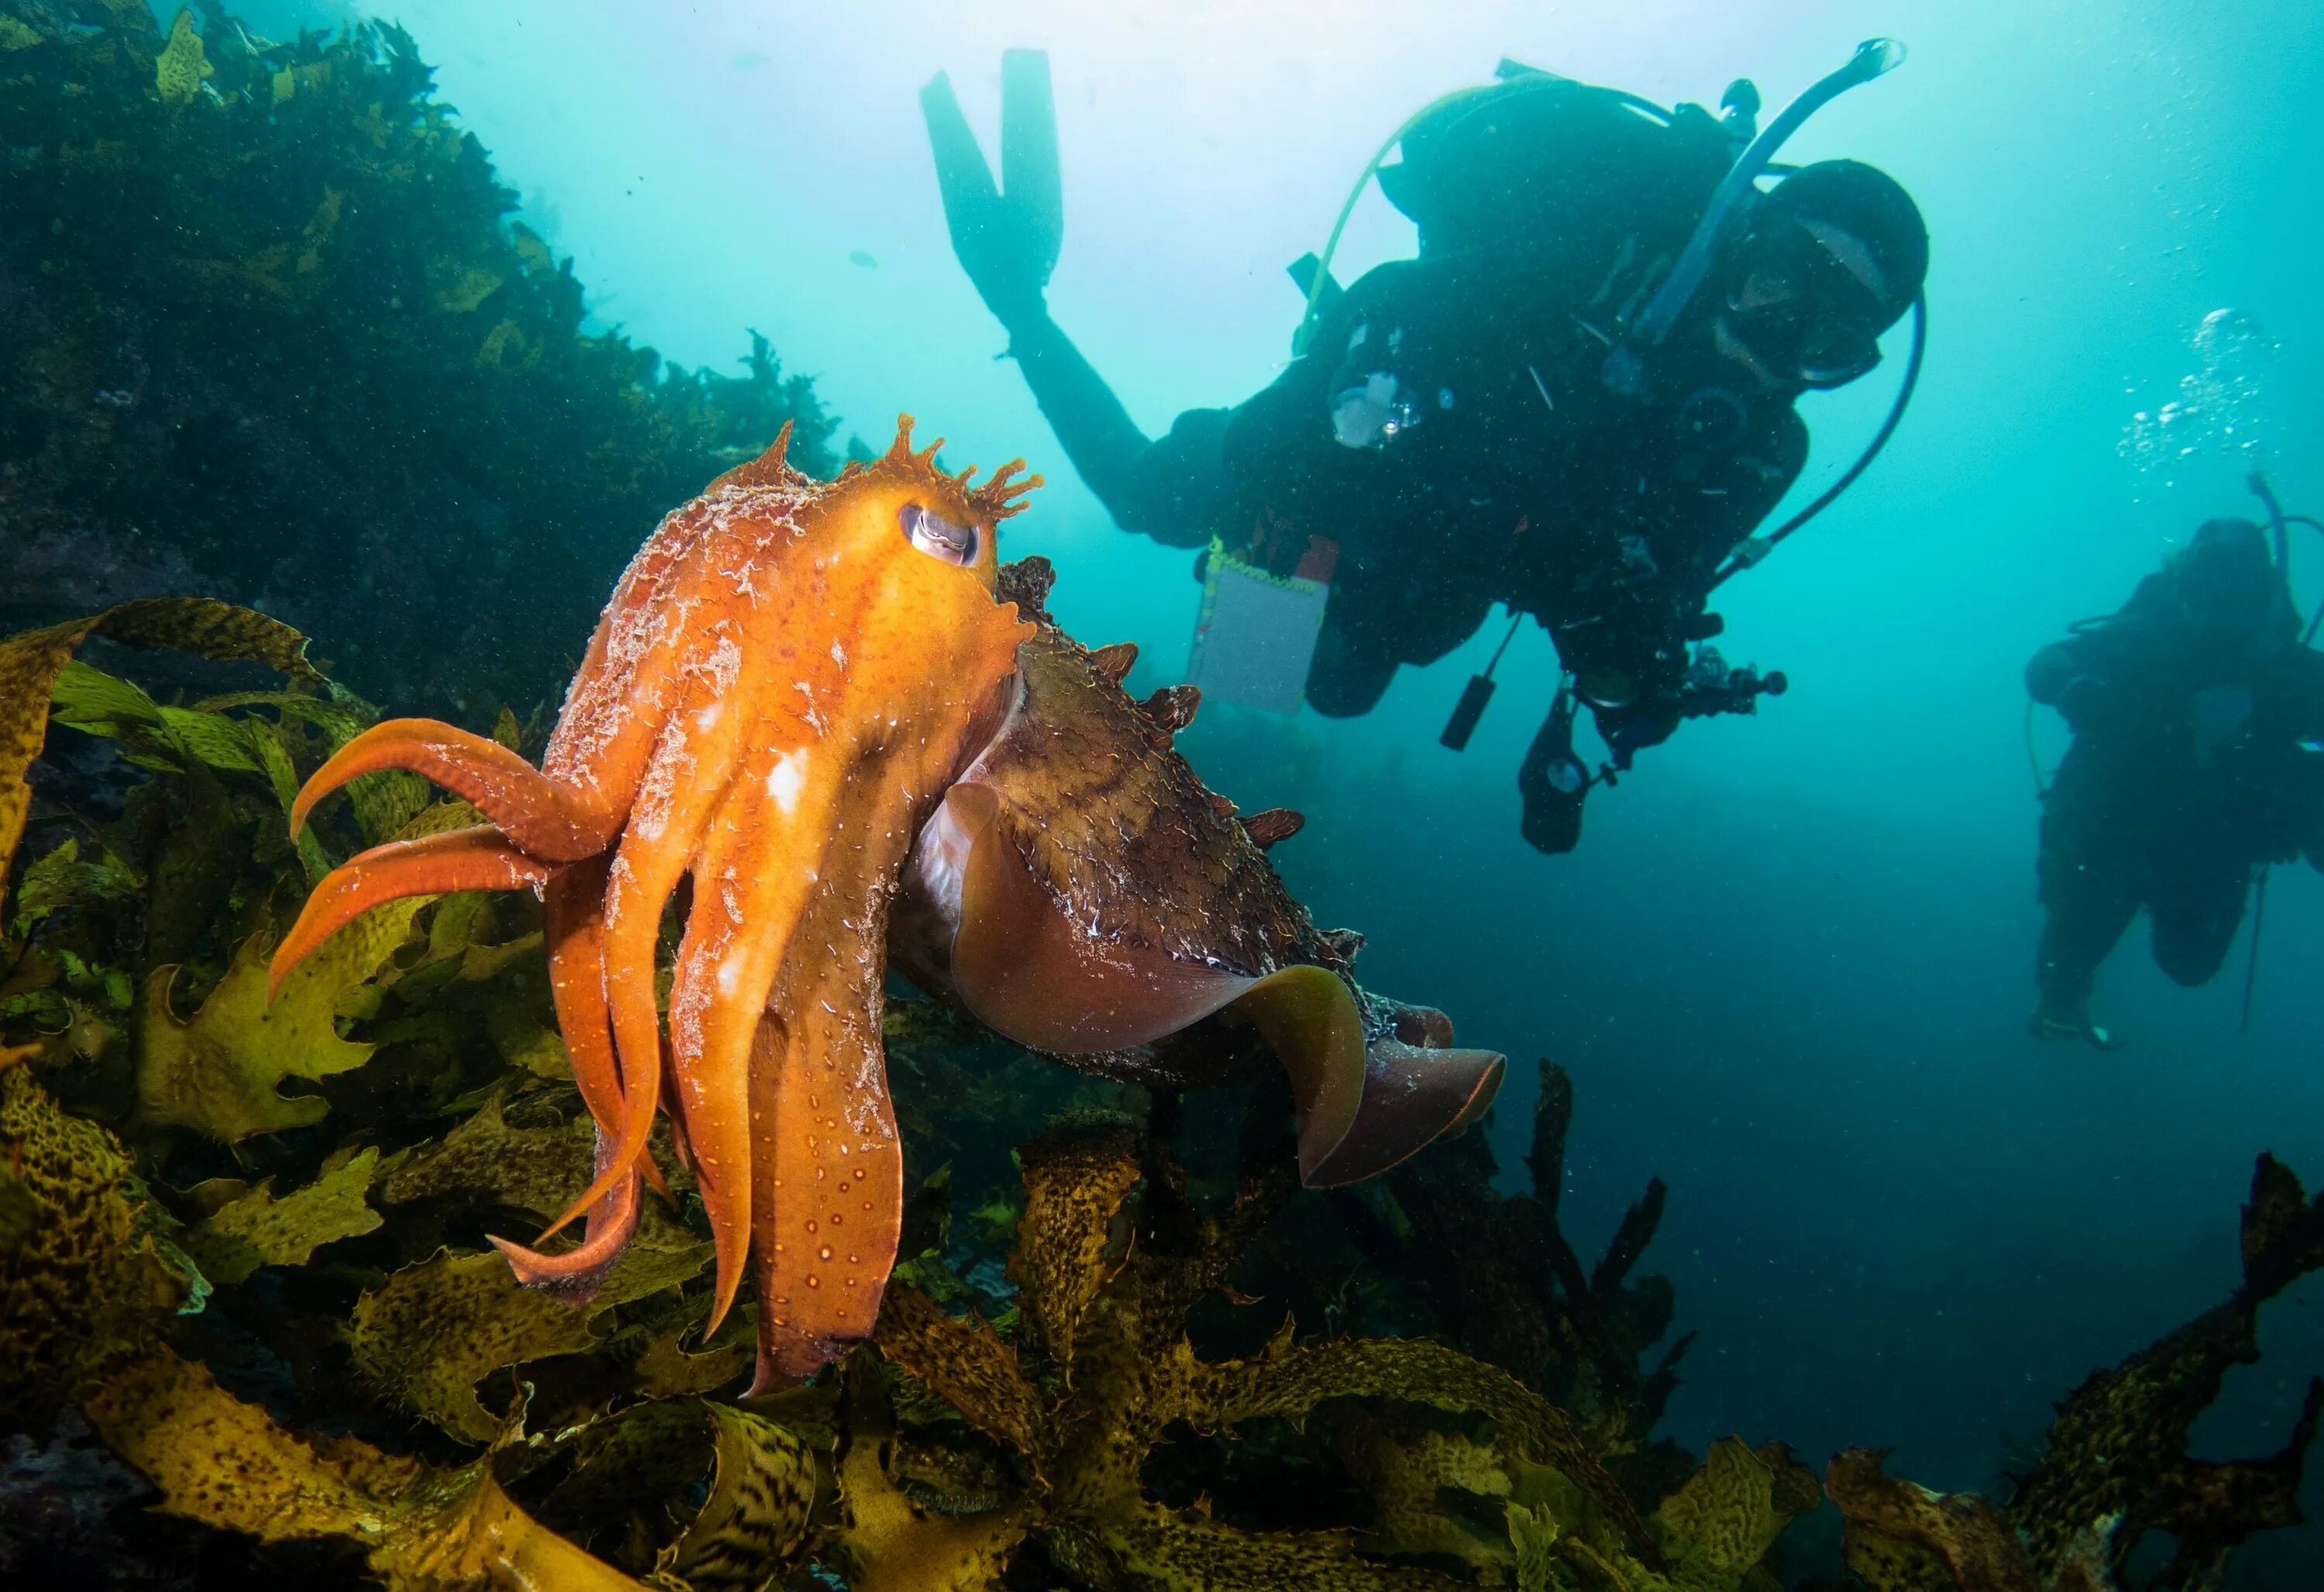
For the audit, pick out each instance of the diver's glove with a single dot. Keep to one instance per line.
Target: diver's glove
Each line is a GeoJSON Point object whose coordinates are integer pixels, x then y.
{"type": "Point", "coordinates": [1007, 234]}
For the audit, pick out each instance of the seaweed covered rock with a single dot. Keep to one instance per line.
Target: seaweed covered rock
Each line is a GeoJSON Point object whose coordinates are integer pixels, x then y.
{"type": "Point", "coordinates": [273, 335]}
{"type": "Point", "coordinates": [2114, 1467]}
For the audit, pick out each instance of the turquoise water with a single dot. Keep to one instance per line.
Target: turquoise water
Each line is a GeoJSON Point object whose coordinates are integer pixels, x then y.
{"type": "Point", "coordinates": [1790, 967]}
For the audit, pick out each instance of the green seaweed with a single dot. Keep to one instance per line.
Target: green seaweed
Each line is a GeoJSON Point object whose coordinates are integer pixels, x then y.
{"type": "Point", "coordinates": [337, 377]}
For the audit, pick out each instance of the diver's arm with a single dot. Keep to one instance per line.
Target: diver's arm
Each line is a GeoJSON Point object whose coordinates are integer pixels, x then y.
{"type": "Point", "coordinates": [1096, 432]}
{"type": "Point", "coordinates": [1168, 488]}
{"type": "Point", "coordinates": [1690, 525]}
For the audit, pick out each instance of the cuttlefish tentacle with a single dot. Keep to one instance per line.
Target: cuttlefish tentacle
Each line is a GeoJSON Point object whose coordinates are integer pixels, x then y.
{"type": "Point", "coordinates": [546, 820]}
{"type": "Point", "coordinates": [475, 858]}
{"type": "Point", "coordinates": [692, 762]}
{"type": "Point", "coordinates": [760, 867]}
{"type": "Point", "coordinates": [573, 921]}
{"type": "Point", "coordinates": [832, 1212]}
{"type": "Point", "coordinates": [577, 1272]}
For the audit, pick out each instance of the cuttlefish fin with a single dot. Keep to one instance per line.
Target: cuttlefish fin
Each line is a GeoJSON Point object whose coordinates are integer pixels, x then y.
{"type": "Point", "coordinates": [1027, 970]}
{"type": "Point", "coordinates": [1363, 1104]}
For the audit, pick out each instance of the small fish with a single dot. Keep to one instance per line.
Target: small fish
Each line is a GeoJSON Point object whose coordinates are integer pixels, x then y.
{"type": "Point", "coordinates": [863, 257]}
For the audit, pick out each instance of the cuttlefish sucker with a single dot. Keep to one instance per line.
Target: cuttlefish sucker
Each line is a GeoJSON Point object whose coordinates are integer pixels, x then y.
{"type": "Point", "coordinates": [787, 678]}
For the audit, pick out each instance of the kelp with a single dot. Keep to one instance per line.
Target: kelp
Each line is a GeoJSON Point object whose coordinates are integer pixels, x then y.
{"type": "Point", "coordinates": [1092, 1369]}
{"type": "Point", "coordinates": [2114, 1467]}
{"type": "Point", "coordinates": [227, 1463]}
{"type": "Point", "coordinates": [275, 335]}
{"type": "Point", "coordinates": [250, 1228]}
{"type": "Point", "coordinates": [82, 1278]}
{"type": "Point", "coordinates": [1504, 1284]}
{"type": "Point", "coordinates": [31, 662]}
{"type": "Point", "coordinates": [246, 1244]}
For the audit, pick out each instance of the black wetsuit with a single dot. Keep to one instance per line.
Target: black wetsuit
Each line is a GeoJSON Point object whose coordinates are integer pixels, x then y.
{"type": "Point", "coordinates": [2193, 764]}
{"type": "Point", "coordinates": [1525, 480]}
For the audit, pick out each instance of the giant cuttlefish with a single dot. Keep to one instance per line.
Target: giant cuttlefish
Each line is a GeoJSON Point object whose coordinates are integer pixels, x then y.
{"type": "Point", "coordinates": [817, 701]}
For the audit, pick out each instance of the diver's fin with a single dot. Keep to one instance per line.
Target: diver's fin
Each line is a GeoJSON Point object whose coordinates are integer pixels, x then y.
{"type": "Point", "coordinates": [1029, 179]}
{"type": "Point", "coordinates": [963, 179]}
{"type": "Point", "coordinates": [1363, 1106]}
{"type": "Point", "coordinates": [1028, 970]}
{"type": "Point", "coordinates": [1007, 234]}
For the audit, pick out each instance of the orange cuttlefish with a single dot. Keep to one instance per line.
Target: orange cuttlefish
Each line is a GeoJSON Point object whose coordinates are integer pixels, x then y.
{"type": "Point", "coordinates": [819, 700]}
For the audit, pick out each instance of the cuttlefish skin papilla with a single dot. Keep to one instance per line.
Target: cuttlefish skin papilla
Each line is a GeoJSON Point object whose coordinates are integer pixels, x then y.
{"type": "Point", "coordinates": [787, 688]}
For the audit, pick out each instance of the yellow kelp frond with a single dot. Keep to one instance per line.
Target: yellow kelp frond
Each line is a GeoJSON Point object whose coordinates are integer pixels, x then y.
{"type": "Point", "coordinates": [81, 1286]}
{"type": "Point", "coordinates": [536, 1168]}
{"type": "Point", "coordinates": [1897, 1532]}
{"type": "Point", "coordinates": [221, 1071]}
{"type": "Point", "coordinates": [2114, 1467]}
{"type": "Point", "coordinates": [226, 1464]}
{"type": "Point", "coordinates": [967, 1365]}
{"type": "Point", "coordinates": [1120, 1373]}
{"type": "Point", "coordinates": [178, 75]}
{"type": "Point", "coordinates": [1719, 1526]}
{"type": "Point", "coordinates": [636, 1475]}
{"type": "Point", "coordinates": [65, 878]}
{"type": "Point", "coordinates": [1072, 1190]}
{"type": "Point", "coordinates": [255, 1229]}
{"type": "Point", "coordinates": [31, 661]}
{"type": "Point", "coordinates": [436, 1329]}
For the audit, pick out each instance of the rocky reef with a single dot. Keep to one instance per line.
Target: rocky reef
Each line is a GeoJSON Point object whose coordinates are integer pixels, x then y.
{"type": "Point", "coordinates": [274, 336]}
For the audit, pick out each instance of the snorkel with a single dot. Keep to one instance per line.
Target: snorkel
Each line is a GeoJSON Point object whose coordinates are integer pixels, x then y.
{"type": "Point", "coordinates": [1624, 371]}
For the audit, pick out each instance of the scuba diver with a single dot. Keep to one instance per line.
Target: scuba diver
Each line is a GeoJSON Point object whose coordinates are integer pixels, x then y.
{"type": "Point", "coordinates": [1577, 400]}
{"type": "Point", "coordinates": [2197, 710]}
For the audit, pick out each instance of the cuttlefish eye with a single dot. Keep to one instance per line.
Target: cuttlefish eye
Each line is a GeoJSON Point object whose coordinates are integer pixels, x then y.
{"type": "Point", "coordinates": [937, 536]}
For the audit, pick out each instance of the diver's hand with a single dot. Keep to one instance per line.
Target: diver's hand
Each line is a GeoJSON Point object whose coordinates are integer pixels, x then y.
{"type": "Point", "coordinates": [1006, 239]}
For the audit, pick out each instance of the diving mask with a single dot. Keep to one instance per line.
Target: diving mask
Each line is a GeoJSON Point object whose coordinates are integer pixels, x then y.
{"type": "Point", "coordinates": [1805, 299]}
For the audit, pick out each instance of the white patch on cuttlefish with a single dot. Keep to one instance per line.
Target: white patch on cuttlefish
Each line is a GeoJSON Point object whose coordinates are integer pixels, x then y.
{"type": "Point", "coordinates": [785, 780]}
